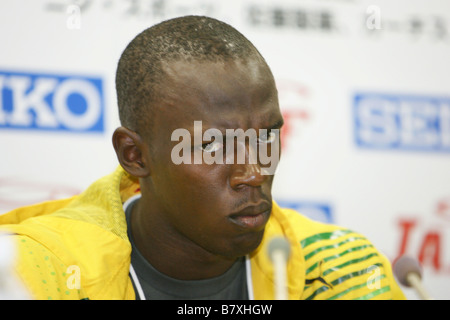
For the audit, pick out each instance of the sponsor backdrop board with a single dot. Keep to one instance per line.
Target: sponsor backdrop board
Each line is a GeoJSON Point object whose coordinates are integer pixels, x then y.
{"type": "Point", "coordinates": [364, 88]}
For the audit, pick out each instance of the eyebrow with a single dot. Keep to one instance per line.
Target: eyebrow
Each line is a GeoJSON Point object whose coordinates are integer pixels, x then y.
{"type": "Point", "coordinates": [222, 128]}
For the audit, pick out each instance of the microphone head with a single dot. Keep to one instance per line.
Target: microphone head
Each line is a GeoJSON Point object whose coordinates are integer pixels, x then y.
{"type": "Point", "coordinates": [7, 251]}
{"type": "Point", "coordinates": [405, 265]}
{"type": "Point", "coordinates": [279, 244]}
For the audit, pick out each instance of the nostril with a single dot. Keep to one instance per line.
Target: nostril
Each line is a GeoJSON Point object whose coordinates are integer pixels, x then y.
{"type": "Point", "coordinates": [247, 175]}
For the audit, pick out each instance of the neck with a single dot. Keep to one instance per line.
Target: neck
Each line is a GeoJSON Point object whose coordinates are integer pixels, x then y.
{"type": "Point", "coordinates": [170, 252]}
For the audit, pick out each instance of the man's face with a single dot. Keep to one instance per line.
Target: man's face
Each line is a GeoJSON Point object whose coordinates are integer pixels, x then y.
{"type": "Point", "coordinates": [223, 208]}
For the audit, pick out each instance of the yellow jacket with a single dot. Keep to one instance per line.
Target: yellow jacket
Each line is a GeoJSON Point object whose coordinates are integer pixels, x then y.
{"type": "Point", "coordinates": [78, 248]}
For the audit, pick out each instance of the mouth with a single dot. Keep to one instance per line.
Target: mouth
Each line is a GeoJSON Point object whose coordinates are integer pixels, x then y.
{"type": "Point", "coordinates": [252, 217]}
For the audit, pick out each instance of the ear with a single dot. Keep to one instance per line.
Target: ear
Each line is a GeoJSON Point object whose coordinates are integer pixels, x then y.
{"type": "Point", "coordinates": [131, 151]}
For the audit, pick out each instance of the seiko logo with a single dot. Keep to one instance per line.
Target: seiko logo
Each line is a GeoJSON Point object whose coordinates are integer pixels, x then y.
{"type": "Point", "coordinates": [51, 102]}
{"type": "Point", "coordinates": [319, 211]}
{"type": "Point", "coordinates": [404, 122]}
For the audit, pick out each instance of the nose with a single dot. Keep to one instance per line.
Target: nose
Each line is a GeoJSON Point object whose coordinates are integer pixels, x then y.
{"type": "Point", "coordinates": [248, 173]}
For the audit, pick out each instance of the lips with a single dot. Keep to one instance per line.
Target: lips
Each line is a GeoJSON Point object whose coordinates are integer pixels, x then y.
{"type": "Point", "coordinates": [252, 217]}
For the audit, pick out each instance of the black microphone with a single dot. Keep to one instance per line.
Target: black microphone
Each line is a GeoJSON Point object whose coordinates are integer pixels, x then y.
{"type": "Point", "coordinates": [409, 273]}
{"type": "Point", "coordinates": [279, 251]}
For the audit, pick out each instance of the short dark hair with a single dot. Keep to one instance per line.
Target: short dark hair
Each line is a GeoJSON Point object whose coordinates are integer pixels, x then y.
{"type": "Point", "coordinates": [190, 38]}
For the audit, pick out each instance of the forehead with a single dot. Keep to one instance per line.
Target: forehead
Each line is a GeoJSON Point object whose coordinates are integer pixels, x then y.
{"type": "Point", "coordinates": [232, 94]}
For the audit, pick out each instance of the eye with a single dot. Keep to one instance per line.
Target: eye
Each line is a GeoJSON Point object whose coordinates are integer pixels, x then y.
{"type": "Point", "coordinates": [212, 147]}
{"type": "Point", "coordinates": [267, 137]}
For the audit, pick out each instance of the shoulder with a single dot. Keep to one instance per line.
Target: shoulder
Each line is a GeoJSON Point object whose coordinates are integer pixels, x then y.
{"type": "Point", "coordinates": [339, 263]}
{"type": "Point", "coordinates": [304, 229]}
{"type": "Point", "coordinates": [42, 273]}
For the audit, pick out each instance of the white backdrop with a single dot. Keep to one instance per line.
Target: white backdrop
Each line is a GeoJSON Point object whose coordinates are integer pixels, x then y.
{"type": "Point", "coordinates": [364, 89]}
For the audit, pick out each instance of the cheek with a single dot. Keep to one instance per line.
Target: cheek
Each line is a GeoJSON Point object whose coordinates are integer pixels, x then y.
{"type": "Point", "coordinates": [195, 186]}
{"type": "Point", "coordinates": [201, 176]}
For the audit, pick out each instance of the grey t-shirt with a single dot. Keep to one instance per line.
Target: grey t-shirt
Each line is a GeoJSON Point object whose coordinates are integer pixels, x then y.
{"type": "Point", "coordinates": [157, 286]}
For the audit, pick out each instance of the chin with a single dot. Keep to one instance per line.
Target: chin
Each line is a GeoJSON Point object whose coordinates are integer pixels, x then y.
{"type": "Point", "coordinates": [244, 245]}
